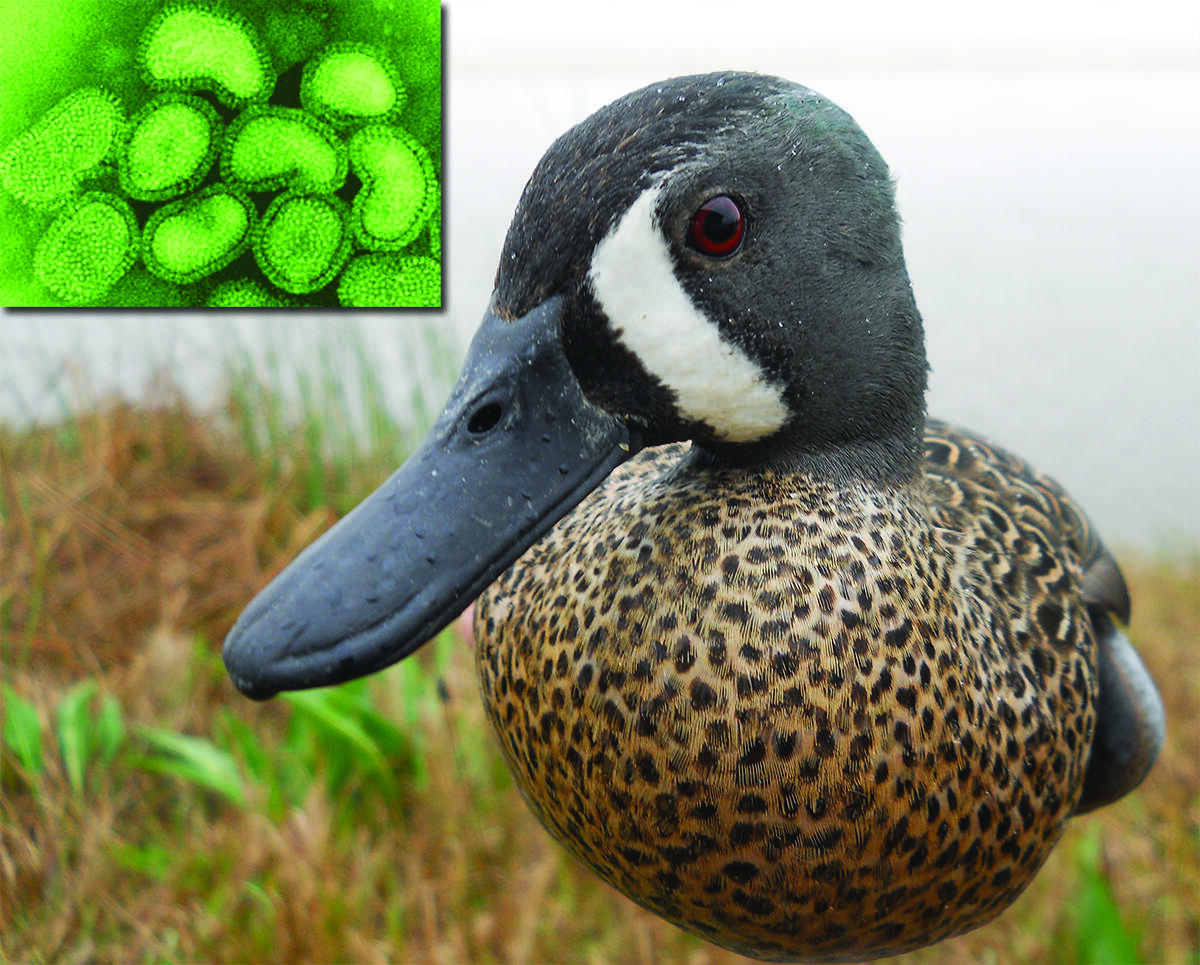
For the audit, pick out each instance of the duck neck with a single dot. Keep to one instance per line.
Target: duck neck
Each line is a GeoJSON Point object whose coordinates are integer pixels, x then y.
{"type": "Point", "coordinates": [891, 459]}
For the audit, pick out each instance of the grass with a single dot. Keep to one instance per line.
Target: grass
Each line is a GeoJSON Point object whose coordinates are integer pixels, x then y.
{"type": "Point", "coordinates": [150, 814]}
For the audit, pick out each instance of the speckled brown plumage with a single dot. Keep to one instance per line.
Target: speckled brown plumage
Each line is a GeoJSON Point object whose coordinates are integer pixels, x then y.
{"type": "Point", "coordinates": [803, 721]}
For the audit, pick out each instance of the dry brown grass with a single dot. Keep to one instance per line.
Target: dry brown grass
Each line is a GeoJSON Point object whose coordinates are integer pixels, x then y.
{"type": "Point", "coordinates": [130, 543]}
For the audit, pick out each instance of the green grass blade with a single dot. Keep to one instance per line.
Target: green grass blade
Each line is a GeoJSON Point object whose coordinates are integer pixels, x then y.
{"type": "Point", "coordinates": [195, 760]}
{"type": "Point", "coordinates": [240, 739]}
{"type": "Point", "coordinates": [23, 732]}
{"type": "Point", "coordinates": [109, 732]}
{"type": "Point", "coordinates": [1102, 937]}
{"type": "Point", "coordinates": [74, 726]}
{"type": "Point", "coordinates": [286, 775]}
{"type": "Point", "coordinates": [328, 711]}
{"type": "Point", "coordinates": [153, 860]}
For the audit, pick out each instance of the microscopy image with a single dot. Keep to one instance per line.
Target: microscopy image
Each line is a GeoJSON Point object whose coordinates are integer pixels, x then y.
{"type": "Point", "coordinates": [222, 153]}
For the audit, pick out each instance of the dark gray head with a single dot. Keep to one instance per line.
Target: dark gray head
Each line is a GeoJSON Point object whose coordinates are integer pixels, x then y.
{"type": "Point", "coordinates": [714, 258]}
{"type": "Point", "coordinates": [804, 341]}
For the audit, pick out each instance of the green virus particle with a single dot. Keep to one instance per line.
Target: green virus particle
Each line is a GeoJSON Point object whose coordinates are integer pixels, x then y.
{"type": "Point", "coordinates": [243, 293]}
{"type": "Point", "coordinates": [302, 241]}
{"type": "Point", "coordinates": [350, 83]}
{"type": "Point", "coordinates": [399, 189]}
{"type": "Point", "coordinates": [171, 146]}
{"type": "Point", "coordinates": [87, 248]}
{"type": "Point", "coordinates": [69, 143]}
{"type": "Point", "coordinates": [190, 239]}
{"type": "Point", "coordinates": [269, 148]}
{"type": "Point", "coordinates": [384, 280]}
{"type": "Point", "coordinates": [202, 46]}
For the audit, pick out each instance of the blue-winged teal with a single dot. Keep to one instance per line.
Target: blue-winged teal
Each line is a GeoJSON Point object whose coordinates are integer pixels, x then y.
{"type": "Point", "coordinates": [825, 683]}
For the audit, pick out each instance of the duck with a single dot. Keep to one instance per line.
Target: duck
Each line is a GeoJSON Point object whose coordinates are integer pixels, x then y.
{"type": "Point", "coordinates": [786, 661]}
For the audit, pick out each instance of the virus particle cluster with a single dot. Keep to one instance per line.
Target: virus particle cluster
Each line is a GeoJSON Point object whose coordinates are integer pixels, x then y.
{"type": "Point", "coordinates": [218, 185]}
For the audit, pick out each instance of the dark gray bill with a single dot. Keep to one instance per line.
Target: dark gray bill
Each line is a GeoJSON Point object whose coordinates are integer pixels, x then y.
{"type": "Point", "coordinates": [515, 448]}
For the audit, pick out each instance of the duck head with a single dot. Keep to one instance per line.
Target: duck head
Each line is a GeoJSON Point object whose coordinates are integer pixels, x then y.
{"type": "Point", "coordinates": [714, 258]}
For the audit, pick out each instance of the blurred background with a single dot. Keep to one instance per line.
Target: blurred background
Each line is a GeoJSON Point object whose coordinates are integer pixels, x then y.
{"type": "Point", "coordinates": [157, 469]}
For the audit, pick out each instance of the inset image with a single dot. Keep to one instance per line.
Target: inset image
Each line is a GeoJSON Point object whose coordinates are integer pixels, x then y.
{"type": "Point", "coordinates": [222, 153]}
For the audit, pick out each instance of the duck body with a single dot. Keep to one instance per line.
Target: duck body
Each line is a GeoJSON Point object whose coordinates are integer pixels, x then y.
{"type": "Point", "coordinates": [803, 720]}
{"type": "Point", "coordinates": [782, 660]}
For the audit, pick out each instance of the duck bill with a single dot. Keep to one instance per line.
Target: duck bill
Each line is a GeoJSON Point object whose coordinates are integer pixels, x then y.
{"type": "Point", "coordinates": [515, 448]}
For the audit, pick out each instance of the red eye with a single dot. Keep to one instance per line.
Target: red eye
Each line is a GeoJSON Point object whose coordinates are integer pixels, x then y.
{"type": "Point", "coordinates": [717, 227]}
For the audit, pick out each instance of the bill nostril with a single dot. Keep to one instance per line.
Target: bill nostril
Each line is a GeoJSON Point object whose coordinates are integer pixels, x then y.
{"type": "Point", "coordinates": [485, 418]}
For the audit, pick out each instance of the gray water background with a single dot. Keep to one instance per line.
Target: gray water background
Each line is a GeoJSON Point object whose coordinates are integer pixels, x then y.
{"type": "Point", "coordinates": [1052, 232]}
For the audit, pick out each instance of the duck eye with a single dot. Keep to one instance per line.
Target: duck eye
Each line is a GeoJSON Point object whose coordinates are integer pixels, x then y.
{"type": "Point", "coordinates": [717, 227]}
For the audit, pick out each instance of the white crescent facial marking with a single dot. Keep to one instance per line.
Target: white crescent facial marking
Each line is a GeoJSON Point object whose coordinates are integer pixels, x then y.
{"type": "Point", "coordinates": [714, 381]}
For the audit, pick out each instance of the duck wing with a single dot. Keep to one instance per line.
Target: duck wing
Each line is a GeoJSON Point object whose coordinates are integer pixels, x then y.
{"type": "Point", "coordinates": [1130, 721]}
